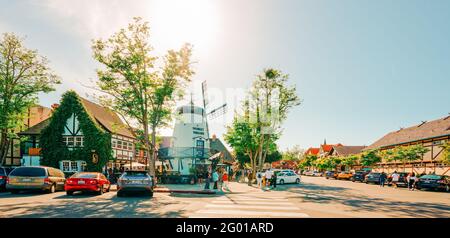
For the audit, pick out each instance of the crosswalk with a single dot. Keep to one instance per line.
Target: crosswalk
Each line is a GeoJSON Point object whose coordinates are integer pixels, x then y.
{"type": "Point", "coordinates": [249, 206]}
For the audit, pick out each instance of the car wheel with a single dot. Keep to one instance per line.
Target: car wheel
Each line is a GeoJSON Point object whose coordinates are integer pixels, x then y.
{"type": "Point", "coordinates": [101, 191]}
{"type": "Point", "coordinates": [297, 181]}
{"type": "Point", "coordinates": [150, 194]}
{"type": "Point", "coordinates": [52, 189]}
{"type": "Point", "coordinates": [15, 191]}
{"type": "Point", "coordinates": [109, 188]}
{"type": "Point", "coordinates": [69, 193]}
{"type": "Point", "coordinates": [282, 181]}
{"type": "Point", "coordinates": [119, 194]}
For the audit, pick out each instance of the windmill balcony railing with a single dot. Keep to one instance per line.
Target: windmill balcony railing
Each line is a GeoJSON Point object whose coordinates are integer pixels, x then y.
{"type": "Point", "coordinates": [184, 152]}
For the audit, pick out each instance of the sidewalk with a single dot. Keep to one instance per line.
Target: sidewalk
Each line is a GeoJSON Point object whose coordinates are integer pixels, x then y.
{"type": "Point", "coordinates": [234, 187]}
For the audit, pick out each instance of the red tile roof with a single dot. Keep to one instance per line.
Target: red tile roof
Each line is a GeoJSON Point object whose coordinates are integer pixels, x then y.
{"type": "Point", "coordinates": [312, 151]}
{"type": "Point", "coordinates": [327, 148]}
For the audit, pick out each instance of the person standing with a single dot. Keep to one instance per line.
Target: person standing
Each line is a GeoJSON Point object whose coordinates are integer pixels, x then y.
{"type": "Point", "coordinates": [411, 181]}
{"type": "Point", "coordinates": [274, 180]}
{"type": "Point", "coordinates": [382, 179]}
{"type": "Point", "coordinates": [395, 177]}
{"type": "Point", "coordinates": [207, 180]}
{"type": "Point", "coordinates": [258, 179]}
{"type": "Point", "coordinates": [225, 182]}
{"type": "Point", "coordinates": [268, 177]}
{"type": "Point", "coordinates": [215, 177]}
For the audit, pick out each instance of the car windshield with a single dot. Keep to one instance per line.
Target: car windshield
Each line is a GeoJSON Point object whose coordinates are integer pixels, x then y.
{"type": "Point", "coordinates": [84, 175]}
{"type": "Point", "coordinates": [431, 176]}
{"type": "Point", "coordinates": [136, 173]}
{"type": "Point", "coordinates": [375, 173]}
{"type": "Point", "coordinates": [28, 172]}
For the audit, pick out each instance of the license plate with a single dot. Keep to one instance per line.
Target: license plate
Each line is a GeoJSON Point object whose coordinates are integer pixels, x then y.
{"type": "Point", "coordinates": [26, 180]}
{"type": "Point", "coordinates": [81, 182]}
{"type": "Point", "coordinates": [426, 181]}
{"type": "Point", "coordinates": [135, 182]}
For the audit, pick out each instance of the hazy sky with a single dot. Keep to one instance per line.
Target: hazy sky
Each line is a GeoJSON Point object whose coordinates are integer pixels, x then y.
{"type": "Point", "coordinates": [363, 68]}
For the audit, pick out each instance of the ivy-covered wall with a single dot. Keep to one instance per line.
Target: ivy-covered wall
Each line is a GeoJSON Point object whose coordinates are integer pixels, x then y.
{"type": "Point", "coordinates": [95, 137]}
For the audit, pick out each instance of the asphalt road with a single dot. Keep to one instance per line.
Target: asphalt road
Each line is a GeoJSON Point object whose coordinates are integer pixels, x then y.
{"type": "Point", "coordinates": [314, 197]}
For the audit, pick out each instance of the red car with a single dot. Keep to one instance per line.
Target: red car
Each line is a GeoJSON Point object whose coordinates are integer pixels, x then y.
{"type": "Point", "coordinates": [87, 182]}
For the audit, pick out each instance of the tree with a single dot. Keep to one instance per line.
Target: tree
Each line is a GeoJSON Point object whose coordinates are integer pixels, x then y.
{"type": "Point", "coordinates": [135, 88]}
{"type": "Point", "coordinates": [412, 153]}
{"type": "Point", "coordinates": [350, 160]}
{"type": "Point", "coordinates": [446, 153]}
{"type": "Point", "coordinates": [23, 75]}
{"type": "Point", "coordinates": [308, 161]}
{"type": "Point", "coordinates": [293, 154]}
{"type": "Point", "coordinates": [269, 102]}
{"type": "Point", "coordinates": [369, 158]}
{"type": "Point", "coordinates": [327, 163]}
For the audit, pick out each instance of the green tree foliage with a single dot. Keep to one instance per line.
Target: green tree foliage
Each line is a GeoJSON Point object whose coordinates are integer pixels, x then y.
{"type": "Point", "coordinates": [135, 86]}
{"type": "Point", "coordinates": [369, 158]}
{"type": "Point", "coordinates": [326, 163]}
{"type": "Point", "coordinates": [23, 74]}
{"type": "Point", "coordinates": [95, 137]}
{"type": "Point", "coordinates": [350, 160]}
{"type": "Point", "coordinates": [293, 154]}
{"type": "Point", "coordinates": [307, 161]}
{"type": "Point", "coordinates": [446, 153]}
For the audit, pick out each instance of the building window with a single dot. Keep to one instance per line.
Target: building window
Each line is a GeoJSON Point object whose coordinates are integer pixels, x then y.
{"type": "Point", "coordinates": [65, 166]}
{"type": "Point", "coordinates": [73, 141]}
{"type": "Point", "coordinates": [119, 144]}
{"type": "Point", "coordinates": [72, 166]}
{"type": "Point", "coordinates": [114, 143]}
{"type": "Point", "coordinates": [130, 146]}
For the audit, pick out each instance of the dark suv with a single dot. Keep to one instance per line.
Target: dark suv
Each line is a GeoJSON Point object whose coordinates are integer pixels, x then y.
{"type": "Point", "coordinates": [359, 176]}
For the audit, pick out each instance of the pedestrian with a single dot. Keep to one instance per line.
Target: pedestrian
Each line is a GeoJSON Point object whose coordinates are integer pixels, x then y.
{"type": "Point", "coordinates": [215, 177]}
{"type": "Point", "coordinates": [207, 180]}
{"type": "Point", "coordinates": [382, 179]}
{"type": "Point", "coordinates": [225, 182]}
{"type": "Point", "coordinates": [411, 181]}
{"type": "Point", "coordinates": [238, 175]}
{"type": "Point", "coordinates": [258, 179]}
{"type": "Point", "coordinates": [249, 177]}
{"type": "Point", "coordinates": [395, 177]}
{"type": "Point", "coordinates": [268, 177]}
{"type": "Point", "coordinates": [274, 180]}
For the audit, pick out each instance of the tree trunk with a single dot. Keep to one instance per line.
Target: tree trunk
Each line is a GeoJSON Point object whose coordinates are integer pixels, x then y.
{"type": "Point", "coordinates": [4, 147]}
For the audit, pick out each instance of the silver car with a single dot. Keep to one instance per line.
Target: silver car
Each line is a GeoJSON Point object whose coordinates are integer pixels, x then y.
{"type": "Point", "coordinates": [135, 181]}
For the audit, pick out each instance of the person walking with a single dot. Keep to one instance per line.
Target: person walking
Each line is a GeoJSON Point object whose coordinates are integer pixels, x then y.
{"type": "Point", "coordinates": [225, 178]}
{"type": "Point", "coordinates": [268, 177]}
{"type": "Point", "coordinates": [274, 180]}
{"type": "Point", "coordinates": [382, 179]}
{"type": "Point", "coordinates": [207, 180]}
{"type": "Point", "coordinates": [395, 177]}
{"type": "Point", "coordinates": [259, 178]}
{"type": "Point", "coordinates": [215, 177]}
{"type": "Point", "coordinates": [411, 181]}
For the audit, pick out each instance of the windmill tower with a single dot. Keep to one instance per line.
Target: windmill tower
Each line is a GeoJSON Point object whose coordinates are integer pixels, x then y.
{"type": "Point", "coordinates": [190, 143]}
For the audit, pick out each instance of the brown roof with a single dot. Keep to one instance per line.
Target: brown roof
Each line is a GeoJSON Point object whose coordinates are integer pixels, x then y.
{"type": "Point", "coordinates": [107, 118]}
{"type": "Point", "coordinates": [36, 129]}
{"type": "Point", "coordinates": [345, 150]}
{"type": "Point", "coordinates": [425, 130]}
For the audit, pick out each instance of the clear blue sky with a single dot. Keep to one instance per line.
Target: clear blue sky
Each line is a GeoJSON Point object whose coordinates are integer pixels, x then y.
{"type": "Point", "coordinates": [363, 68]}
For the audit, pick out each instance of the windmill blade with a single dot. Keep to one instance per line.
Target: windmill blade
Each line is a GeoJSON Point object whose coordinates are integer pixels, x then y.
{"type": "Point", "coordinates": [217, 112]}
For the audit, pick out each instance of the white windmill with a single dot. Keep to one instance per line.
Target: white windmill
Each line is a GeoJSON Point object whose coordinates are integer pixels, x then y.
{"type": "Point", "coordinates": [190, 139]}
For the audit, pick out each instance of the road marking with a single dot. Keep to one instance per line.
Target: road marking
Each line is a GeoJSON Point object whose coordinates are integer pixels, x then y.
{"type": "Point", "coordinates": [252, 206]}
{"type": "Point", "coordinates": [255, 203]}
{"type": "Point", "coordinates": [240, 213]}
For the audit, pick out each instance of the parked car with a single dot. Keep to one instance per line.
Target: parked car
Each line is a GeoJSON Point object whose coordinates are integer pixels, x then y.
{"type": "Point", "coordinates": [344, 175]}
{"type": "Point", "coordinates": [331, 174]}
{"type": "Point", "coordinates": [4, 171]}
{"type": "Point", "coordinates": [372, 177]}
{"type": "Point", "coordinates": [135, 181]}
{"type": "Point", "coordinates": [87, 182]}
{"type": "Point", "coordinates": [435, 182]}
{"type": "Point", "coordinates": [35, 178]}
{"type": "Point", "coordinates": [307, 172]}
{"type": "Point", "coordinates": [313, 173]}
{"type": "Point", "coordinates": [359, 176]}
{"type": "Point", "coordinates": [288, 177]}
{"type": "Point", "coordinates": [401, 179]}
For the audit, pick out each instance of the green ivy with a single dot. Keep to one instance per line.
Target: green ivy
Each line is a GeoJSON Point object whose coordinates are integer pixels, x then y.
{"type": "Point", "coordinates": [95, 137]}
